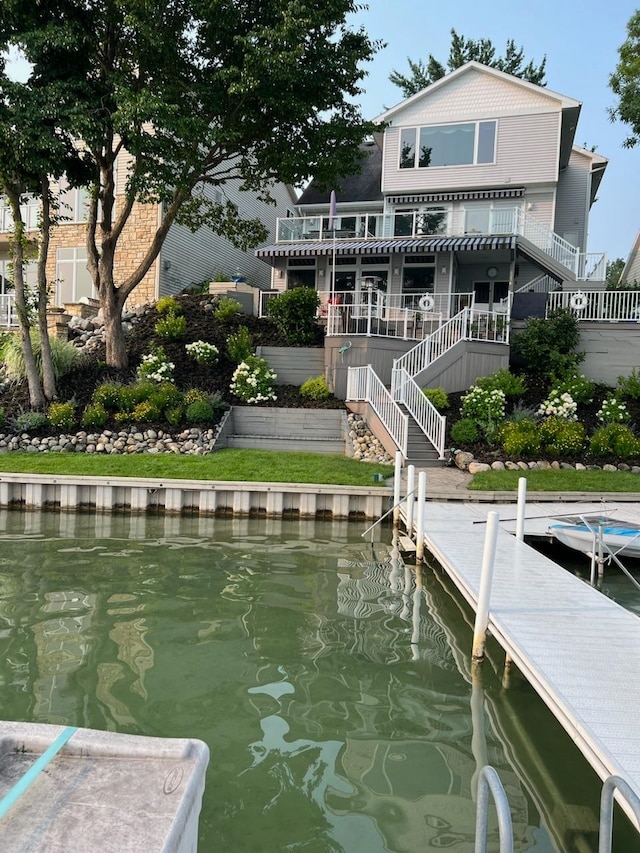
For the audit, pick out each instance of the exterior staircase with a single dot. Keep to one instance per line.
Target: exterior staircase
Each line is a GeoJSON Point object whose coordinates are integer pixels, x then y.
{"type": "Point", "coordinates": [420, 451]}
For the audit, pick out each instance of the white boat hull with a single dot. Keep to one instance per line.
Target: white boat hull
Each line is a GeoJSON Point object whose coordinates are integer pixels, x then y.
{"type": "Point", "coordinates": [618, 537]}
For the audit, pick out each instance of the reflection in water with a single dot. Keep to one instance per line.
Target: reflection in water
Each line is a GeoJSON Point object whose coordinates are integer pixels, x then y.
{"type": "Point", "coordinates": [333, 691]}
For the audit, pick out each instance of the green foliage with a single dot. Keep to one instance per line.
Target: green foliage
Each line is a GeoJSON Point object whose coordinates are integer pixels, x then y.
{"type": "Point", "coordinates": [315, 388]}
{"type": "Point", "coordinates": [464, 432]}
{"type": "Point", "coordinates": [95, 416]}
{"type": "Point", "coordinates": [294, 313]}
{"type": "Point", "coordinates": [547, 346]}
{"type": "Point", "coordinates": [614, 440]}
{"type": "Point", "coordinates": [562, 438]}
{"type": "Point", "coordinates": [485, 408]}
{"type": "Point", "coordinates": [512, 386]}
{"type": "Point", "coordinates": [253, 381]}
{"type": "Point", "coordinates": [145, 412]}
{"type": "Point", "coordinates": [31, 421]}
{"type": "Point", "coordinates": [614, 271]}
{"type": "Point", "coordinates": [194, 395]}
{"type": "Point", "coordinates": [108, 396]}
{"type": "Point", "coordinates": [625, 82]}
{"type": "Point", "coordinates": [579, 388]}
{"type": "Point", "coordinates": [559, 405]}
{"type": "Point", "coordinates": [613, 411]}
{"type": "Point", "coordinates": [62, 415]}
{"type": "Point", "coordinates": [168, 305]}
{"type": "Point", "coordinates": [437, 397]}
{"type": "Point", "coordinates": [174, 415]}
{"type": "Point", "coordinates": [156, 366]}
{"type": "Point", "coordinates": [171, 327]}
{"type": "Point", "coordinates": [240, 345]}
{"type": "Point", "coordinates": [203, 353]}
{"type": "Point", "coordinates": [163, 396]}
{"type": "Point", "coordinates": [465, 50]}
{"type": "Point", "coordinates": [64, 356]}
{"type": "Point", "coordinates": [199, 412]}
{"type": "Point", "coordinates": [521, 438]}
{"type": "Point", "coordinates": [226, 309]}
{"type": "Point", "coordinates": [629, 386]}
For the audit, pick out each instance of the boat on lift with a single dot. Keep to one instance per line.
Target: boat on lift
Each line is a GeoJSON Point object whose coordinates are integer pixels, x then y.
{"type": "Point", "coordinates": [584, 533]}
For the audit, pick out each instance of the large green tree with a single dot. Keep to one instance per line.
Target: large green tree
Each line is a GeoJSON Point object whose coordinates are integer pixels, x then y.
{"type": "Point", "coordinates": [625, 82]}
{"type": "Point", "coordinates": [463, 50]}
{"type": "Point", "coordinates": [197, 92]}
{"type": "Point", "coordinates": [614, 271]}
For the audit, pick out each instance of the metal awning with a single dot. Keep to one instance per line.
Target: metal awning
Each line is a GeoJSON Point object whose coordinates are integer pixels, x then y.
{"type": "Point", "coordinates": [475, 195]}
{"type": "Point", "coordinates": [414, 245]}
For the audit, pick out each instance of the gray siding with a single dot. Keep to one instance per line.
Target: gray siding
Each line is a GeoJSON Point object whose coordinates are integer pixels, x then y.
{"type": "Point", "coordinates": [574, 186]}
{"type": "Point", "coordinates": [611, 350]}
{"type": "Point", "coordinates": [294, 365]}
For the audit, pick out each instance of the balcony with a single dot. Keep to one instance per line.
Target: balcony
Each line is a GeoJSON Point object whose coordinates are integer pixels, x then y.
{"type": "Point", "coordinates": [473, 222]}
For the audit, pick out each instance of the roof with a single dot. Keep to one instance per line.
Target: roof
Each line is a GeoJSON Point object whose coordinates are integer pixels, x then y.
{"type": "Point", "coordinates": [311, 248]}
{"type": "Point", "coordinates": [631, 270]}
{"type": "Point", "coordinates": [363, 186]}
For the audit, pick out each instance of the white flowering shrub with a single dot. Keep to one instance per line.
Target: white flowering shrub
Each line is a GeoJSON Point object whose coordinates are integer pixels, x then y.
{"type": "Point", "coordinates": [202, 352]}
{"type": "Point", "coordinates": [156, 366]}
{"type": "Point", "coordinates": [253, 381]}
{"type": "Point", "coordinates": [482, 405]}
{"type": "Point", "coordinates": [613, 411]}
{"type": "Point", "coordinates": [559, 405]}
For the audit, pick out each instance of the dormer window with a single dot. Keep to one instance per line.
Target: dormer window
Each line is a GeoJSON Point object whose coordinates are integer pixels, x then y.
{"type": "Point", "coordinates": [471, 143]}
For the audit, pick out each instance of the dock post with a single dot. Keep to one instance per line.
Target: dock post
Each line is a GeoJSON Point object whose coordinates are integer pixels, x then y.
{"type": "Point", "coordinates": [522, 507]}
{"type": "Point", "coordinates": [397, 486]}
{"type": "Point", "coordinates": [484, 593]}
{"type": "Point", "coordinates": [422, 497]}
{"type": "Point", "coordinates": [411, 484]}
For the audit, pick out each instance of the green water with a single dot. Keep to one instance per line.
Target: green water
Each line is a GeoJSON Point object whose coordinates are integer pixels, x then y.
{"type": "Point", "coordinates": [334, 694]}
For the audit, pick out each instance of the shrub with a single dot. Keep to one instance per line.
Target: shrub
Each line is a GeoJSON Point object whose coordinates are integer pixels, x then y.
{"type": "Point", "coordinates": [129, 399]}
{"type": "Point", "coordinates": [107, 395]}
{"type": "Point", "coordinates": [520, 438]}
{"type": "Point", "coordinates": [31, 421]}
{"type": "Point", "coordinates": [62, 415]}
{"type": "Point", "coordinates": [174, 415]}
{"type": "Point", "coordinates": [315, 388]}
{"type": "Point", "coordinates": [156, 366]}
{"type": "Point", "coordinates": [559, 405]}
{"type": "Point", "coordinates": [171, 327]}
{"type": "Point", "coordinates": [579, 388]}
{"type": "Point", "coordinates": [629, 386]}
{"type": "Point", "coordinates": [253, 380]}
{"type": "Point", "coordinates": [546, 347]}
{"type": "Point", "coordinates": [64, 356]}
{"type": "Point", "coordinates": [294, 313]}
{"type": "Point", "coordinates": [168, 305]}
{"type": "Point", "coordinates": [437, 397]}
{"type": "Point", "coordinates": [194, 395]}
{"type": "Point", "coordinates": [145, 412]}
{"type": "Point", "coordinates": [164, 396]}
{"type": "Point", "coordinates": [202, 352]}
{"type": "Point", "coordinates": [199, 412]}
{"type": "Point", "coordinates": [94, 416]}
{"type": "Point", "coordinates": [240, 345]}
{"type": "Point", "coordinates": [483, 406]}
{"type": "Point", "coordinates": [560, 437]}
{"type": "Point", "coordinates": [465, 431]}
{"type": "Point", "coordinates": [226, 309]}
{"type": "Point", "coordinates": [614, 440]}
{"type": "Point", "coordinates": [505, 381]}
{"type": "Point", "coordinates": [613, 411]}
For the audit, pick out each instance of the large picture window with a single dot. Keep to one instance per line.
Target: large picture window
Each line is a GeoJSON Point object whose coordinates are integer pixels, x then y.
{"type": "Point", "coordinates": [465, 144]}
{"type": "Point", "coordinates": [73, 278]}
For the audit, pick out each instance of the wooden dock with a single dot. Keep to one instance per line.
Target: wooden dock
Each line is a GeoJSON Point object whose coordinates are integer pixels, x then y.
{"type": "Point", "coordinates": [577, 648]}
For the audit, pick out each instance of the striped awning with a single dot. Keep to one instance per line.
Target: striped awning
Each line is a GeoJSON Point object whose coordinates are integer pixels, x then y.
{"type": "Point", "coordinates": [468, 195]}
{"type": "Point", "coordinates": [414, 245]}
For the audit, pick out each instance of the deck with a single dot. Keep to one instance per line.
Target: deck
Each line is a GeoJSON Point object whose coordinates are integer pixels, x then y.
{"type": "Point", "coordinates": [577, 648]}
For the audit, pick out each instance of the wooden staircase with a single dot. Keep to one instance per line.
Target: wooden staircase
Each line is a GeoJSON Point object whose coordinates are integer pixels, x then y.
{"type": "Point", "coordinates": [420, 451]}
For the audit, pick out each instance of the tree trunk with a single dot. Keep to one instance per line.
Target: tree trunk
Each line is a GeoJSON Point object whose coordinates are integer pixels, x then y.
{"type": "Point", "coordinates": [116, 345]}
{"type": "Point", "coordinates": [48, 372]}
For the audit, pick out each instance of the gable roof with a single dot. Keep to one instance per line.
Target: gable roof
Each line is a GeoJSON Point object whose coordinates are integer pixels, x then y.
{"type": "Point", "coordinates": [366, 185]}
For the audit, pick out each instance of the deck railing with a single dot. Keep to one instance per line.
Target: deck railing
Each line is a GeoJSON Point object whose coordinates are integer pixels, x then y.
{"type": "Point", "coordinates": [425, 414]}
{"type": "Point", "coordinates": [432, 347]}
{"type": "Point", "coordinates": [364, 385]}
{"type": "Point", "coordinates": [598, 305]}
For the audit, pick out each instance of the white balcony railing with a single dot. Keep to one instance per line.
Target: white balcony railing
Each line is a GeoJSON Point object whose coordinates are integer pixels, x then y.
{"type": "Point", "coordinates": [607, 306]}
{"type": "Point", "coordinates": [364, 385]}
{"type": "Point", "coordinates": [8, 316]}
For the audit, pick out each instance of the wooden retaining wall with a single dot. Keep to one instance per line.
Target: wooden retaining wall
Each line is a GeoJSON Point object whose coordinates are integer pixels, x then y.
{"type": "Point", "coordinates": [199, 497]}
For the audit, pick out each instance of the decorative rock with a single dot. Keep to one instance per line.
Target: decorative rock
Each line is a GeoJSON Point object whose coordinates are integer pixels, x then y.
{"type": "Point", "coordinates": [566, 466]}
{"type": "Point", "coordinates": [522, 466]}
{"type": "Point", "coordinates": [497, 465]}
{"type": "Point", "coordinates": [580, 466]}
{"type": "Point", "coordinates": [511, 466]}
{"type": "Point", "coordinates": [478, 467]}
{"type": "Point", "coordinates": [543, 465]}
{"type": "Point", "coordinates": [555, 465]}
{"type": "Point", "coordinates": [609, 468]}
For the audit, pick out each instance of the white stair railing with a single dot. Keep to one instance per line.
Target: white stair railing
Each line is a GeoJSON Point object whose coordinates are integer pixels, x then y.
{"type": "Point", "coordinates": [364, 385]}
{"type": "Point", "coordinates": [424, 413]}
{"type": "Point", "coordinates": [541, 284]}
{"type": "Point", "coordinates": [431, 347]}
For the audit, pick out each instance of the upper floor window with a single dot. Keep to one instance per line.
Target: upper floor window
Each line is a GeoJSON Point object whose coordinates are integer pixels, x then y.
{"type": "Point", "coordinates": [73, 202]}
{"type": "Point", "coordinates": [448, 145]}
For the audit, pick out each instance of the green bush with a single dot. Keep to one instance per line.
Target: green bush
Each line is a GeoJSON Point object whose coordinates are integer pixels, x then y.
{"type": "Point", "coordinates": [629, 386]}
{"type": "Point", "coordinates": [107, 395]}
{"type": "Point", "coordinates": [240, 345]}
{"type": "Point", "coordinates": [156, 366]}
{"type": "Point", "coordinates": [168, 305]}
{"type": "Point", "coordinates": [31, 421]}
{"type": "Point", "coordinates": [579, 388]}
{"type": "Point", "coordinates": [465, 431]}
{"type": "Point", "coordinates": [437, 397]}
{"type": "Point", "coordinates": [62, 415]}
{"type": "Point", "coordinates": [226, 309]}
{"type": "Point", "coordinates": [64, 356]}
{"type": "Point", "coordinates": [562, 438]}
{"type": "Point", "coordinates": [253, 381]}
{"type": "Point", "coordinates": [199, 412]}
{"type": "Point", "coordinates": [547, 347]}
{"type": "Point", "coordinates": [174, 415]}
{"type": "Point", "coordinates": [171, 327]}
{"type": "Point", "coordinates": [94, 416]}
{"type": "Point", "coordinates": [194, 395]}
{"type": "Point", "coordinates": [315, 388]}
{"type": "Point", "coordinates": [503, 380]}
{"type": "Point", "coordinates": [164, 396]}
{"type": "Point", "coordinates": [615, 440]}
{"type": "Point", "coordinates": [145, 412]}
{"type": "Point", "coordinates": [521, 438]}
{"type": "Point", "coordinates": [294, 313]}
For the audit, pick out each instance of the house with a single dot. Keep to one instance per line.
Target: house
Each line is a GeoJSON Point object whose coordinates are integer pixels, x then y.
{"type": "Point", "coordinates": [186, 259]}
{"type": "Point", "coordinates": [630, 275]}
{"type": "Point", "coordinates": [471, 210]}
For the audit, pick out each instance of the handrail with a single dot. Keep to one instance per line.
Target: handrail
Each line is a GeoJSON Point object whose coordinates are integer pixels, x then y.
{"type": "Point", "coordinates": [395, 506]}
{"type": "Point", "coordinates": [597, 305]}
{"type": "Point", "coordinates": [424, 413]}
{"type": "Point", "coordinates": [363, 384]}
{"type": "Point", "coordinates": [610, 786]}
{"type": "Point", "coordinates": [433, 346]}
{"type": "Point", "coordinates": [490, 781]}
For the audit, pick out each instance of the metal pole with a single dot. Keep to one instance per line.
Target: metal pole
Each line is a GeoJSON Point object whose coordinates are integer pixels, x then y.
{"type": "Point", "coordinates": [422, 498]}
{"type": "Point", "coordinates": [411, 485]}
{"type": "Point", "coordinates": [522, 507]}
{"type": "Point", "coordinates": [484, 594]}
{"type": "Point", "coordinates": [397, 485]}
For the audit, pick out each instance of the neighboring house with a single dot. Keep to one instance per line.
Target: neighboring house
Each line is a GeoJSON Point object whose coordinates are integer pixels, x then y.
{"type": "Point", "coordinates": [630, 275]}
{"type": "Point", "coordinates": [186, 259]}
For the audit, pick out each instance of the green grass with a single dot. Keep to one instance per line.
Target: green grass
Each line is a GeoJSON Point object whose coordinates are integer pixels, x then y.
{"type": "Point", "coordinates": [557, 481]}
{"type": "Point", "coordinates": [247, 465]}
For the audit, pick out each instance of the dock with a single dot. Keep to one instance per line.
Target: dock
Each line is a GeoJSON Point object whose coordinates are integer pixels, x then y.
{"type": "Point", "coordinates": [578, 649]}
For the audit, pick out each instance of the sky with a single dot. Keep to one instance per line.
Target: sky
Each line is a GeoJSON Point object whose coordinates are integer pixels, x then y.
{"type": "Point", "coordinates": [580, 41]}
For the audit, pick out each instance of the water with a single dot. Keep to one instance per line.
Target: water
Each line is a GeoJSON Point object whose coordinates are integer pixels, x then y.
{"type": "Point", "coordinates": [335, 695]}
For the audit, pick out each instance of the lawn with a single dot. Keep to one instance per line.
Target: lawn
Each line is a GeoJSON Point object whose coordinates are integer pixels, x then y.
{"type": "Point", "coordinates": [262, 466]}
{"type": "Point", "coordinates": [557, 481]}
